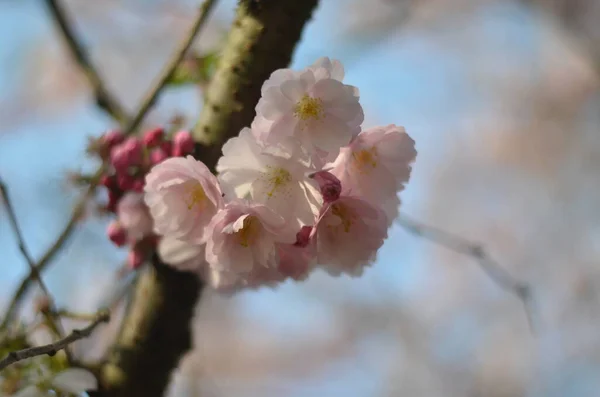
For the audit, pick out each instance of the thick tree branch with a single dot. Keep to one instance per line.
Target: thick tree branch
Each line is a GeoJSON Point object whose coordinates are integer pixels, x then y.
{"type": "Point", "coordinates": [130, 127]}
{"type": "Point", "coordinates": [156, 332]}
{"type": "Point", "coordinates": [52, 348]}
{"type": "Point", "coordinates": [457, 244]}
{"type": "Point", "coordinates": [104, 99]}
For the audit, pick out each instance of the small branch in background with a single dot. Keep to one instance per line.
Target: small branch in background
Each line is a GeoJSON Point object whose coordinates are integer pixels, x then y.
{"type": "Point", "coordinates": [457, 244]}
{"type": "Point", "coordinates": [50, 314]}
{"type": "Point", "coordinates": [130, 127]}
{"type": "Point", "coordinates": [171, 66]}
{"type": "Point", "coordinates": [104, 99]}
{"type": "Point", "coordinates": [52, 348]}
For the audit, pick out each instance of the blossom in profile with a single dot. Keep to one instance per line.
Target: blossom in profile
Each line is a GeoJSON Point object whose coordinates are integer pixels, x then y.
{"type": "Point", "coordinates": [348, 235]}
{"type": "Point", "coordinates": [182, 195]}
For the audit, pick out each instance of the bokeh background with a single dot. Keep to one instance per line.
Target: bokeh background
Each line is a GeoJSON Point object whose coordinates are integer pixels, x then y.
{"type": "Point", "coordinates": [502, 100]}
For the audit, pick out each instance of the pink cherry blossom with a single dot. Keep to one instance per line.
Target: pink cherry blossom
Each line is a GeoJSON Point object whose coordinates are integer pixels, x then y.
{"type": "Point", "coordinates": [376, 165]}
{"type": "Point", "coordinates": [276, 179]}
{"type": "Point", "coordinates": [183, 196]}
{"type": "Point", "coordinates": [134, 216]}
{"type": "Point", "coordinates": [311, 107]}
{"type": "Point", "coordinates": [243, 238]}
{"type": "Point", "coordinates": [183, 143]}
{"type": "Point", "coordinates": [349, 233]}
{"type": "Point", "coordinates": [325, 68]}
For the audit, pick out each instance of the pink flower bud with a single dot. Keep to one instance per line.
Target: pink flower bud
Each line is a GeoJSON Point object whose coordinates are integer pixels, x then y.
{"type": "Point", "coordinates": [108, 182]}
{"type": "Point", "coordinates": [126, 154]}
{"type": "Point", "coordinates": [113, 199]}
{"type": "Point", "coordinates": [329, 184]}
{"type": "Point", "coordinates": [116, 233]}
{"type": "Point", "coordinates": [135, 258]}
{"type": "Point", "coordinates": [138, 185]}
{"type": "Point", "coordinates": [112, 138]}
{"type": "Point", "coordinates": [303, 236]}
{"type": "Point", "coordinates": [167, 147]}
{"type": "Point", "coordinates": [158, 156]}
{"type": "Point", "coordinates": [125, 181]}
{"type": "Point", "coordinates": [183, 143]}
{"type": "Point", "coordinates": [154, 137]}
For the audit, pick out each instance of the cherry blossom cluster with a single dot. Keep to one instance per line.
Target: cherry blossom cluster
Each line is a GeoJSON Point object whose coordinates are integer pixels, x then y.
{"type": "Point", "coordinates": [303, 187]}
{"type": "Point", "coordinates": [129, 160]}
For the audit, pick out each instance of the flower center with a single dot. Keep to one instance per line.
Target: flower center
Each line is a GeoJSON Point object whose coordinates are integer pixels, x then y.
{"type": "Point", "coordinates": [346, 216]}
{"type": "Point", "coordinates": [365, 159]}
{"type": "Point", "coordinates": [278, 178]}
{"type": "Point", "coordinates": [195, 196]}
{"type": "Point", "coordinates": [309, 108]}
{"type": "Point", "coordinates": [248, 231]}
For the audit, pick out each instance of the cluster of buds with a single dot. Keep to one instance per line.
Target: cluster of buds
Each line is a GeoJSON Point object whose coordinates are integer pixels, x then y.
{"type": "Point", "coordinates": [128, 160]}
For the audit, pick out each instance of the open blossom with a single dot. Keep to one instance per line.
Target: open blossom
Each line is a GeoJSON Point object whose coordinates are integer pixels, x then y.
{"type": "Point", "coordinates": [243, 238]}
{"type": "Point", "coordinates": [276, 179]}
{"type": "Point", "coordinates": [376, 165]}
{"type": "Point", "coordinates": [183, 196]}
{"type": "Point", "coordinates": [181, 255]}
{"type": "Point", "coordinates": [349, 233]}
{"type": "Point", "coordinates": [312, 107]}
{"type": "Point", "coordinates": [133, 216]}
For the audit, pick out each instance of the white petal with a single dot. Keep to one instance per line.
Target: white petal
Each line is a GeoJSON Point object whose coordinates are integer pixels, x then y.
{"type": "Point", "coordinates": [181, 255]}
{"type": "Point", "coordinates": [31, 391]}
{"type": "Point", "coordinates": [75, 380]}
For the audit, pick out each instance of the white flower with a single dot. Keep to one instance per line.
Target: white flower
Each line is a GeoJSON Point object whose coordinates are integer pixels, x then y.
{"type": "Point", "coordinates": [182, 195]}
{"type": "Point", "coordinates": [312, 107]}
{"type": "Point", "coordinates": [276, 179]}
{"type": "Point", "coordinates": [134, 216]}
{"type": "Point", "coordinates": [73, 381]}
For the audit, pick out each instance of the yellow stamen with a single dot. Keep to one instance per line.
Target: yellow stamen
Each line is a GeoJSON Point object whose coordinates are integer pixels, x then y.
{"type": "Point", "coordinates": [278, 178]}
{"type": "Point", "coordinates": [363, 159]}
{"type": "Point", "coordinates": [309, 108]}
{"type": "Point", "coordinates": [196, 196]}
{"type": "Point", "coordinates": [248, 231]}
{"type": "Point", "coordinates": [346, 216]}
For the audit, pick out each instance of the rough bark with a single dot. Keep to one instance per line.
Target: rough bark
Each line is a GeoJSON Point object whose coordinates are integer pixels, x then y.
{"type": "Point", "coordinates": [156, 330]}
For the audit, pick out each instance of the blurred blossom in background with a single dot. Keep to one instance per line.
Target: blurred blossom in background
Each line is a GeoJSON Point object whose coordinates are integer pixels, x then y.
{"type": "Point", "coordinates": [502, 100]}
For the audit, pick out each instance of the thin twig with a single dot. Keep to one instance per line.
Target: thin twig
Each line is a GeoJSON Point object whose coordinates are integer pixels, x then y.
{"type": "Point", "coordinates": [457, 244]}
{"type": "Point", "coordinates": [52, 348]}
{"type": "Point", "coordinates": [171, 66]}
{"type": "Point", "coordinates": [103, 97]}
{"type": "Point", "coordinates": [50, 314]}
{"type": "Point", "coordinates": [78, 211]}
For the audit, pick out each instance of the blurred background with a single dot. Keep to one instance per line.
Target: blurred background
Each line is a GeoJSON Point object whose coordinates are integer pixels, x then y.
{"type": "Point", "coordinates": [502, 99]}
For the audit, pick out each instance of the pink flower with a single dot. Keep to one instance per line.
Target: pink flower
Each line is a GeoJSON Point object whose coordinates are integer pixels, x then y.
{"type": "Point", "coordinates": [311, 107]}
{"type": "Point", "coordinates": [182, 196]}
{"type": "Point", "coordinates": [183, 143]}
{"type": "Point", "coordinates": [243, 238]}
{"type": "Point", "coordinates": [376, 165]}
{"type": "Point", "coordinates": [153, 137]}
{"type": "Point", "coordinates": [134, 217]}
{"type": "Point", "coordinates": [126, 154]}
{"type": "Point", "coordinates": [181, 255]}
{"type": "Point", "coordinates": [349, 233]}
{"type": "Point", "coordinates": [116, 233]}
{"type": "Point", "coordinates": [329, 185]}
{"type": "Point", "coordinates": [112, 138]}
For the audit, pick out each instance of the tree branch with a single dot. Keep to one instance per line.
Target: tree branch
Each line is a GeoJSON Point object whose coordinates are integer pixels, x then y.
{"type": "Point", "coordinates": [494, 271]}
{"type": "Point", "coordinates": [130, 127]}
{"type": "Point", "coordinates": [50, 315]}
{"type": "Point", "coordinates": [103, 97]}
{"type": "Point", "coordinates": [156, 331]}
{"type": "Point", "coordinates": [52, 348]}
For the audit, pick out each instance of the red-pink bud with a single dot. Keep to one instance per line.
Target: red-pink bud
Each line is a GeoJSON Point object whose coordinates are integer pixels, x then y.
{"type": "Point", "coordinates": [126, 154]}
{"type": "Point", "coordinates": [138, 185]}
{"type": "Point", "coordinates": [303, 236]}
{"type": "Point", "coordinates": [125, 181]}
{"type": "Point", "coordinates": [135, 258]}
{"type": "Point", "coordinates": [108, 182]}
{"type": "Point", "coordinates": [153, 137]}
{"type": "Point", "coordinates": [113, 199]}
{"type": "Point", "coordinates": [116, 234]}
{"type": "Point", "coordinates": [183, 143]}
{"type": "Point", "coordinates": [167, 147]}
{"type": "Point", "coordinates": [158, 156]}
{"type": "Point", "coordinates": [112, 138]}
{"type": "Point", "coordinates": [329, 184]}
